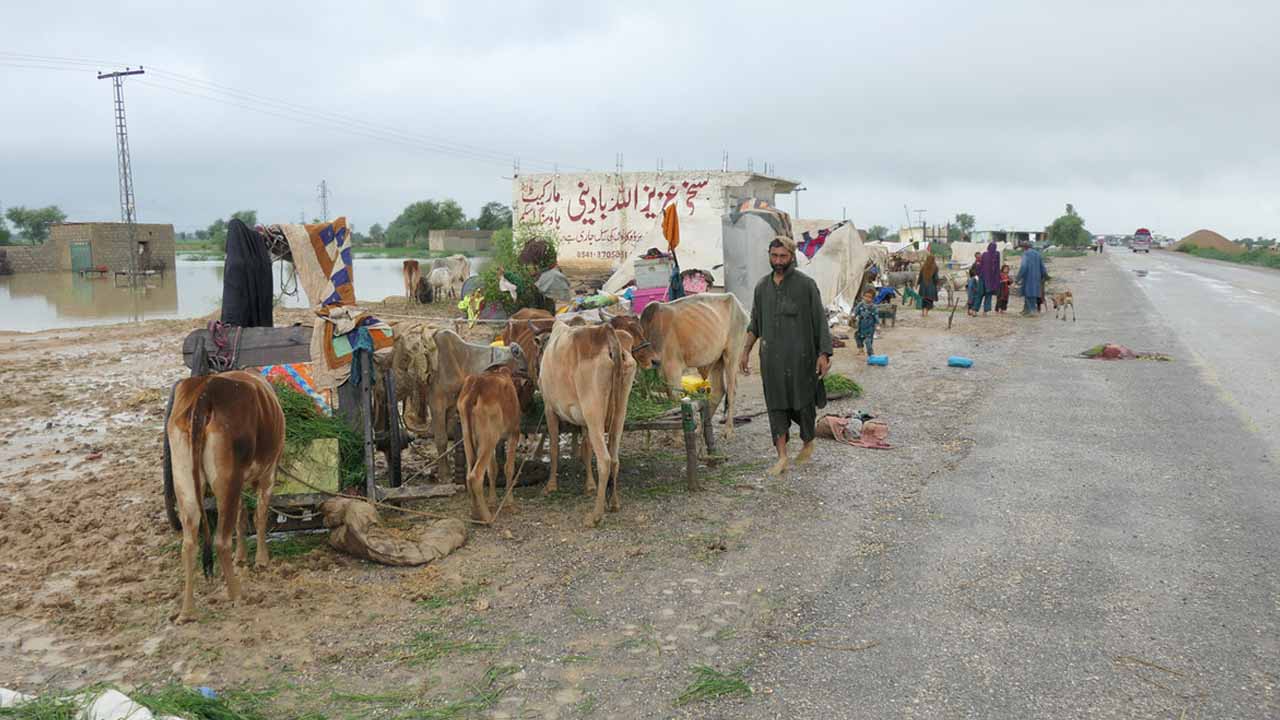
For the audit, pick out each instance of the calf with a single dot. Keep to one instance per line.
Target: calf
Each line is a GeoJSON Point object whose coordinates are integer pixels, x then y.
{"type": "Point", "coordinates": [455, 360]}
{"type": "Point", "coordinates": [441, 285]}
{"type": "Point", "coordinates": [227, 429]}
{"type": "Point", "coordinates": [412, 274]}
{"type": "Point", "coordinates": [490, 412]}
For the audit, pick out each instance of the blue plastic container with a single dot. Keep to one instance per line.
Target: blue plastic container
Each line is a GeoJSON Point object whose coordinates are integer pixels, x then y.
{"type": "Point", "coordinates": [960, 362]}
{"type": "Point", "coordinates": [878, 360]}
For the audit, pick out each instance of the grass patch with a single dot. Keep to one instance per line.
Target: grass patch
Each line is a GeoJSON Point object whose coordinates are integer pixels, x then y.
{"type": "Point", "coordinates": [1259, 257]}
{"type": "Point", "coordinates": [711, 684]}
{"type": "Point", "coordinates": [296, 544]}
{"type": "Point", "coordinates": [187, 702]}
{"type": "Point", "coordinates": [725, 634]}
{"type": "Point", "coordinates": [1065, 253]}
{"type": "Point", "coordinates": [586, 705]}
{"type": "Point", "coordinates": [483, 697]}
{"type": "Point", "coordinates": [585, 617]}
{"type": "Point", "coordinates": [428, 646]}
{"type": "Point", "coordinates": [464, 594]}
{"type": "Point", "coordinates": [731, 473]}
{"type": "Point", "coordinates": [838, 384]}
{"type": "Point", "coordinates": [46, 707]}
{"type": "Point", "coordinates": [304, 423]}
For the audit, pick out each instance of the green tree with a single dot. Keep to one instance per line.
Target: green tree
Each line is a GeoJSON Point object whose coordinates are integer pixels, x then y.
{"type": "Point", "coordinates": [416, 220]}
{"type": "Point", "coordinates": [494, 216]}
{"type": "Point", "coordinates": [217, 234]}
{"type": "Point", "coordinates": [248, 217]}
{"type": "Point", "coordinates": [33, 224]}
{"type": "Point", "coordinates": [965, 222]}
{"type": "Point", "coordinates": [377, 234]}
{"type": "Point", "coordinates": [1068, 230]}
{"type": "Point", "coordinates": [5, 236]}
{"type": "Point", "coordinates": [877, 233]}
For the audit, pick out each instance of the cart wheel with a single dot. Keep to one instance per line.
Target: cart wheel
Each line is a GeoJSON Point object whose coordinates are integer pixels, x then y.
{"type": "Point", "coordinates": [170, 498]}
{"type": "Point", "coordinates": [394, 441]}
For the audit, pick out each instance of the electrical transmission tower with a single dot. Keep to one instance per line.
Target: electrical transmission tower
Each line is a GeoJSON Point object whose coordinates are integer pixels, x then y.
{"type": "Point", "coordinates": [128, 209]}
{"type": "Point", "coordinates": [324, 201]}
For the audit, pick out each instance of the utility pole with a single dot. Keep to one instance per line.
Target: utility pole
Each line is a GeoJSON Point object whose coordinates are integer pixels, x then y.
{"type": "Point", "coordinates": [796, 194]}
{"type": "Point", "coordinates": [324, 201]}
{"type": "Point", "coordinates": [128, 208]}
{"type": "Point", "coordinates": [924, 232]}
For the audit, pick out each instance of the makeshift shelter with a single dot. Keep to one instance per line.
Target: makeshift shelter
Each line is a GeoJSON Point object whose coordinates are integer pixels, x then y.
{"type": "Point", "coordinates": [836, 266]}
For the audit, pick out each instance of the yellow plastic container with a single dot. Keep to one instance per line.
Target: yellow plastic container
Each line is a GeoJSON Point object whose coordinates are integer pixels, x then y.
{"type": "Point", "coordinates": [497, 343]}
{"type": "Point", "coordinates": [692, 384]}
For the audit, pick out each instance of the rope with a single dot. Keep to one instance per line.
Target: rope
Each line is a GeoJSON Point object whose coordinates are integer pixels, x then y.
{"type": "Point", "coordinates": [223, 357]}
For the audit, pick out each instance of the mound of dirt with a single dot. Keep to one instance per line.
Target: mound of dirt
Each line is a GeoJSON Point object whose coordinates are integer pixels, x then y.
{"type": "Point", "coordinates": [1209, 239]}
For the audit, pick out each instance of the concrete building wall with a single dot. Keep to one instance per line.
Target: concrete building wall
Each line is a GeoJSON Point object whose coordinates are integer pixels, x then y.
{"type": "Point", "coordinates": [31, 258]}
{"type": "Point", "coordinates": [602, 217]}
{"type": "Point", "coordinates": [109, 244]}
{"type": "Point", "coordinates": [459, 240]}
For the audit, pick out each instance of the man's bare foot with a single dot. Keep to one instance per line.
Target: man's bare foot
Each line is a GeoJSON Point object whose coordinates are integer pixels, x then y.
{"type": "Point", "coordinates": [778, 467]}
{"type": "Point", "coordinates": [806, 453]}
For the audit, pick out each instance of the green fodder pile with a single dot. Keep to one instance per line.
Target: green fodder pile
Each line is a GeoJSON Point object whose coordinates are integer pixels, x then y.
{"type": "Point", "coordinates": [304, 422]}
{"type": "Point", "coordinates": [648, 399]}
{"type": "Point", "coordinates": [838, 386]}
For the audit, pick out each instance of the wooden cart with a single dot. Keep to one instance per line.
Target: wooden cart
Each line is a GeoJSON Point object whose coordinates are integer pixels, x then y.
{"type": "Point", "coordinates": [256, 347]}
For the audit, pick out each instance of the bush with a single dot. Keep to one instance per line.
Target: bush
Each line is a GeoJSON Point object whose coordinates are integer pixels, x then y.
{"type": "Point", "coordinates": [507, 245]}
{"type": "Point", "coordinates": [940, 250]}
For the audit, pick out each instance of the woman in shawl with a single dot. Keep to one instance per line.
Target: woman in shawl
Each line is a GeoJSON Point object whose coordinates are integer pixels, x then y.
{"type": "Point", "coordinates": [989, 270]}
{"type": "Point", "coordinates": [928, 284]}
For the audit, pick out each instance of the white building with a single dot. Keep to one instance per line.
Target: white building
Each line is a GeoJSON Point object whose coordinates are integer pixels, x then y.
{"type": "Point", "coordinates": [602, 217]}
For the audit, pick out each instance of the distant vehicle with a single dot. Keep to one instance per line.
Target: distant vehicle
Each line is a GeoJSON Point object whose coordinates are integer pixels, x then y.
{"type": "Point", "coordinates": [1141, 241]}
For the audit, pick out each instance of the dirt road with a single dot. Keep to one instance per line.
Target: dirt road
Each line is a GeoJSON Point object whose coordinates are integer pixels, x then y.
{"type": "Point", "coordinates": [536, 617]}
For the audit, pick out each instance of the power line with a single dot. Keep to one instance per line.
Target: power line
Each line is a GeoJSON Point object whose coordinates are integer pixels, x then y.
{"type": "Point", "coordinates": [255, 102]}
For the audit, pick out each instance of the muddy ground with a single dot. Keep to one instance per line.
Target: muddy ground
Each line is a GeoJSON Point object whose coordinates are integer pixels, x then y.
{"type": "Point", "coordinates": [535, 617]}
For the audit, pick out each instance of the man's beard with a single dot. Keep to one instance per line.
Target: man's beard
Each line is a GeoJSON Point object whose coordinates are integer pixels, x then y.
{"type": "Point", "coordinates": [783, 267]}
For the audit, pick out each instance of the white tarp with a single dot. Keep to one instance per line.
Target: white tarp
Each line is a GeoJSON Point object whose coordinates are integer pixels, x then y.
{"type": "Point", "coordinates": [701, 248]}
{"type": "Point", "coordinates": [893, 246]}
{"type": "Point", "coordinates": [836, 268]}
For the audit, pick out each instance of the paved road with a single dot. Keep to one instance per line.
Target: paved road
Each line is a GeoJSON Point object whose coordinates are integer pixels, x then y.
{"type": "Point", "coordinates": [1108, 548]}
{"type": "Point", "coordinates": [1230, 317]}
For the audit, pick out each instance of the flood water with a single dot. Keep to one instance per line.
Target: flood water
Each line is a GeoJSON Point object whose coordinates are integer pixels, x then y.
{"type": "Point", "coordinates": [43, 301]}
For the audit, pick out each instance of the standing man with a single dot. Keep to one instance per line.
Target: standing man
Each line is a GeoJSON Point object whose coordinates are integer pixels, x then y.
{"type": "Point", "coordinates": [795, 349]}
{"type": "Point", "coordinates": [1031, 276]}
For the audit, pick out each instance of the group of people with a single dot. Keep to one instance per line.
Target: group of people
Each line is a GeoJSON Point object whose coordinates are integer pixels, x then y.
{"type": "Point", "coordinates": [988, 280]}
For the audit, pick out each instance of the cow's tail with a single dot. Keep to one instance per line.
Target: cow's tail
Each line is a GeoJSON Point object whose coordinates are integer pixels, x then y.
{"type": "Point", "coordinates": [615, 389]}
{"type": "Point", "coordinates": [199, 417]}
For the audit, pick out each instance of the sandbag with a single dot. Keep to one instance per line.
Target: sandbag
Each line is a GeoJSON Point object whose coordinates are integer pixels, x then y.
{"type": "Point", "coordinates": [356, 529]}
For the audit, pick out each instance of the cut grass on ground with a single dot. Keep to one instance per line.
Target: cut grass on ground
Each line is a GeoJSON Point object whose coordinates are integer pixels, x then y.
{"type": "Point", "coordinates": [428, 646]}
{"type": "Point", "coordinates": [710, 684]}
{"type": "Point", "coordinates": [839, 385]}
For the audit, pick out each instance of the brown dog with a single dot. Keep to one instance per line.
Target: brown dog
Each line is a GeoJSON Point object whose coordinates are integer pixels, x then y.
{"type": "Point", "coordinates": [1063, 300]}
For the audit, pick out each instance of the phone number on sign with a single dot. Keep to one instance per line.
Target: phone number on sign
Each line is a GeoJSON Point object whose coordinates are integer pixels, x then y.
{"type": "Point", "coordinates": [600, 254]}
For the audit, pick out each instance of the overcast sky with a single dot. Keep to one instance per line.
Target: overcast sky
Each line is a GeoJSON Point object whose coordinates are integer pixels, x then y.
{"type": "Point", "coordinates": [1163, 114]}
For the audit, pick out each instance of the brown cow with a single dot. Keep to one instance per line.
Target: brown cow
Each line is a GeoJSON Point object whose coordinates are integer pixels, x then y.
{"type": "Point", "coordinates": [455, 360]}
{"type": "Point", "coordinates": [412, 274]}
{"type": "Point", "coordinates": [706, 331]}
{"type": "Point", "coordinates": [490, 412]}
{"type": "Point", "coordinates": [228, 428]}
{"type": "Point", "coordinates": [528, 327]}
{"type": "Point", "coordinates": [585, 378]}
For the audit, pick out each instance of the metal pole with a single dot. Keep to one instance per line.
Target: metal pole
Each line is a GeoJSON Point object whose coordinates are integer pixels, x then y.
{"type": "Point", "coordinates": [128, 207]}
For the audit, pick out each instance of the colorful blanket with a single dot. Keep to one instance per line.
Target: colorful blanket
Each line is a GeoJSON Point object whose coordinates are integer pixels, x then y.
{"type": "Point", "coordinates": [299, 377]}
{"type": "Point", "coordinates": [322, 256]}
{"type": "Point", "coordinates": [811, 242]}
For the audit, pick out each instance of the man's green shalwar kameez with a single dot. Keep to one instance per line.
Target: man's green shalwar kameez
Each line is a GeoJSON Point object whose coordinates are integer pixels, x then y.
{"type": "Point", "coordinates": [791, 324]}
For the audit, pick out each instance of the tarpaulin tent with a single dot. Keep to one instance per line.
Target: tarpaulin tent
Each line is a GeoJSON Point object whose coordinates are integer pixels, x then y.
{"type": "Point", "coordinates": [836, 267]}
{"type": "Point", "coordinates": [700, 249]}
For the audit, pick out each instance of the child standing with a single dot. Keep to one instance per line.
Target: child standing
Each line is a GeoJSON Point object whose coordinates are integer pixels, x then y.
{"type": "Point", "coordinates": [864, 314]}
{"type": "Point", "coordinates": [1002, 300]}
